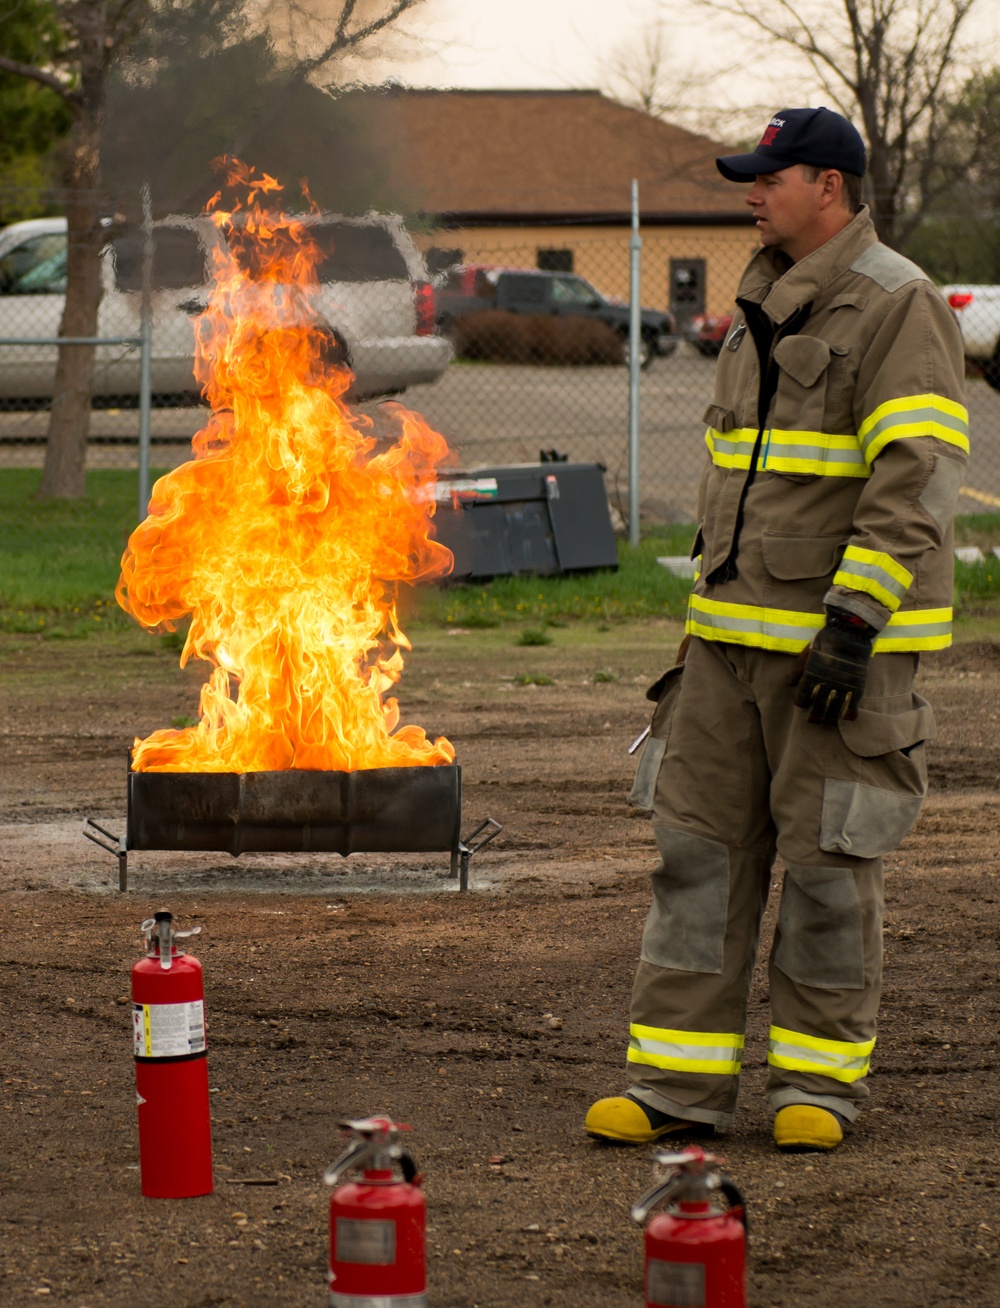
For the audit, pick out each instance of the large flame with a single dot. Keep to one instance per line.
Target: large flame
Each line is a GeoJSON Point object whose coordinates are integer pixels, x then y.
{"type": "Point", "coordinates": [286, 535]}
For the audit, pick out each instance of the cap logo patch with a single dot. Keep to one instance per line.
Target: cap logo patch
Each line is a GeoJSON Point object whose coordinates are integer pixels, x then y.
{"type": "Point", "coordinates": [769, 134]}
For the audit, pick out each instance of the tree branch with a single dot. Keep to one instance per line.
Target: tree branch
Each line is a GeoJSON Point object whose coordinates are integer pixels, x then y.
{"type": "Point", "coordinates": [344, 39]}
{"type": "Point", "coordinates": [40, 75]}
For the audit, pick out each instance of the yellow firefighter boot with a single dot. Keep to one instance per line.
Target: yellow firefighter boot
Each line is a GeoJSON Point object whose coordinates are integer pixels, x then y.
{"type": "Point", "coordinates": [626, 1121]}
{"type": "Point", "coordinates": [804, 1128]}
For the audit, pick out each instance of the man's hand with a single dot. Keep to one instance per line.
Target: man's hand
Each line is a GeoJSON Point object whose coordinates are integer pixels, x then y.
{"type": "Point", "coordinates": [832, 671]}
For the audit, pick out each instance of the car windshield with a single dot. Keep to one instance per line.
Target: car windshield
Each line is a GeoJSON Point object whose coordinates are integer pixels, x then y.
{"type": "Point", "coordinates": [573, 290]}
{"type": "Point", "coordinates": [178, 260]}
{"type": "Point", "coordinates": [36, 267]}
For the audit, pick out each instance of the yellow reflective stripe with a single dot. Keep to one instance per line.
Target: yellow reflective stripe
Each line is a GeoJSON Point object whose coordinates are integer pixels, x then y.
{"type": "Point", "coordinates": [714, 1052]}
{"type": "Point", "coordinates": [750, 624]}
{"type": "Point", "coordinates": [788, 631]}
{"type": "Point", "coordinates": [815, 453]}
{"type": "Point", "coordinates": [731, 449]}
{"type": "Point", "coordinates": [819, 453]}
{"type": "Point", "coordinates": [874, 573]}
{"type": "Point", "coordinates": [915, 415]}
{"type": "Point", "coordinates": [915, 629]}
{"type": "Point", "coordinates": [842, 1060]}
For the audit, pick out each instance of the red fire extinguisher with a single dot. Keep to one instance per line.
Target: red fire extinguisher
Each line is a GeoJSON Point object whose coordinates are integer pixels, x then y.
{"type": "Point", "coordinates": [171, 1067]}
{"type": "Point", "coordinates": [377, 1242]}
{"type": "Point", "coordinates": [696, 1251]}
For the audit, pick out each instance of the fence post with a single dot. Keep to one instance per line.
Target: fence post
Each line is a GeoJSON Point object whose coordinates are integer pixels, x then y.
{"type": "Point", "coordinates": [146, 354]}
{"type": "Point", "coordinates": [635, 346]}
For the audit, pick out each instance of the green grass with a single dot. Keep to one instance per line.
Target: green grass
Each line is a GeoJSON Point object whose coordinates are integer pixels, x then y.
{"type": "Point", "coordinates": [640, 588]}
{"type": "Point", "coordinates": [59, 560]}
{"type": "Point", "coordinates": [59, 564]}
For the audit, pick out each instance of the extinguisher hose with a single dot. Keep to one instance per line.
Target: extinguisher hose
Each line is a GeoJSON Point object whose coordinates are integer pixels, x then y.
{"type": "Point", "coordinates": [408, 1167]}
{"type": "Point", "coordinates": [735, 1200]}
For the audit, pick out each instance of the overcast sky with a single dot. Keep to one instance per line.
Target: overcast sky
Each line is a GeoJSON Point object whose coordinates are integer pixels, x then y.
{"type": "Point", "coordinates": [534, 43]}
{"type": "Point", "coordinates": [569, 43]}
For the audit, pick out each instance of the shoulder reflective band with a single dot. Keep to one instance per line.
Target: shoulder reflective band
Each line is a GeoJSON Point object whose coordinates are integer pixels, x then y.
{"type": "Point", "coordinates": [915, 415]}
{"type": "Point", "coordinates": [718, 1053]}
{"type": "Point", "coordinates": [878, 575]}
{"type": "Point", "coordinates": [840, 1059]}
{"type": "Point", "coordinates": [814, 453]}
{"type": "Point", "coordinates": [788, 631]}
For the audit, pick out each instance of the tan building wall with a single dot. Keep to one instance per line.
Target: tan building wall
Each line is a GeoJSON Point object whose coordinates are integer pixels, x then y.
{"type": "Point", "coordinates": [601, 255]}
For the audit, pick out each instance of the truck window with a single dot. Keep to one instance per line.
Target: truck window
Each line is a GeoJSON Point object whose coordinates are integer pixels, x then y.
{"type": "Point", "coordinates": [572, 290]}
{"type": "Point", "coordinates": [526, 290]}
{"type": "Point", "coordinates": [178, 260]}
{"type": "Point", "coordinates": [35, 267]}
{"type": "Point", "coordinates": [357, 252]}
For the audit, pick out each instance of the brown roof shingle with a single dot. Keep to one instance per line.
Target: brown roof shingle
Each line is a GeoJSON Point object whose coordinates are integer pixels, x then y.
{"type": "Point", "coordinates": [555, 155]}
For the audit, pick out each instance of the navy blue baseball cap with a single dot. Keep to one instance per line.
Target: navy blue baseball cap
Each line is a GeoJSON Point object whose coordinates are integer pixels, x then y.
{"type": "Point", "coordinates": [800, 136]}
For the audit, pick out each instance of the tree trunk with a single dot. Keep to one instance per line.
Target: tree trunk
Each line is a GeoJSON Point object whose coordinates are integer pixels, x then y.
{"type": "Point", "coordinates": [69, 424]}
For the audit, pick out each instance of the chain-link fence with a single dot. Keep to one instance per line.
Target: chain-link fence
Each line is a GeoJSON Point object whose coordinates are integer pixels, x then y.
{"type": "Point", "coordinates": [511, 342]}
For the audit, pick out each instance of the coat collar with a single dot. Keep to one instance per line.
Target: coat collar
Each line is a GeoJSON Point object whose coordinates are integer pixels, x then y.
{"type": "Point", "coordinates": [781, 288]}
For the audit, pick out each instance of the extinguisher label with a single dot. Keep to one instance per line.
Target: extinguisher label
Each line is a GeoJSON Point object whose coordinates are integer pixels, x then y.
{"type": "Point", "coordinates": [169, 1030]}
{"type": "Point", "coordinates": [675, 1285]}
{"type": "Point", "coordinates": [370, 1241]}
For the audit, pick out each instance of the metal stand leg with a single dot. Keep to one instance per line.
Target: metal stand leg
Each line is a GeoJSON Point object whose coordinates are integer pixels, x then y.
{"type": "Point", "coordinates": [454, 865]}
{"type": "Point", "coordinates": [113, 844]}
{"type": "Point", "coordinates": [470, 846]}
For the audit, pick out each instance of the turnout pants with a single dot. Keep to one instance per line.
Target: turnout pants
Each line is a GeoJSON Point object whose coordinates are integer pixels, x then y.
{"type": "Point", "coordinates": [742, 775]}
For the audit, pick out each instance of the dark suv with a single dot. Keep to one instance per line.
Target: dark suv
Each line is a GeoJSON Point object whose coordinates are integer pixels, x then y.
{"type": "Point", "coordinates": [472, 288]}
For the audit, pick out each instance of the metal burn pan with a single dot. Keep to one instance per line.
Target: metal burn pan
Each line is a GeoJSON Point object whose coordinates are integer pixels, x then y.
{"type": "Point", "coordinates": [373, 810]}
{"type": "Point", "coordinates": [376, 810]}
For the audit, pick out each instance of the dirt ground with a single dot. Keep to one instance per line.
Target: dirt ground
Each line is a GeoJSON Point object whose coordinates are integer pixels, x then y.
{"type": "Point", "coordinates": [489, 1021]}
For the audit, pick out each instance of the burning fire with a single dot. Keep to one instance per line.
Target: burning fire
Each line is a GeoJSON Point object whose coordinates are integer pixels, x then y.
{"type": "Point", "coordinates": [285, 538]}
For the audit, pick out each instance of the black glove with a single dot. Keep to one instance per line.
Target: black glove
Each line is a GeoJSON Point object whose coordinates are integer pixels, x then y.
{"type": "Point", "coordinates": [832, 677]}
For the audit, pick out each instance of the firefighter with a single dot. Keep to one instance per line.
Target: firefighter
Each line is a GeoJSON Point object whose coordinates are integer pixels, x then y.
{"type": "Point", "coordinates": [837, 441]}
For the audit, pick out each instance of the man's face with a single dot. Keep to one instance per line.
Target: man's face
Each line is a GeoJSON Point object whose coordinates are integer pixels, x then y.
{"type": "Point", "coordinates": [787, 209]}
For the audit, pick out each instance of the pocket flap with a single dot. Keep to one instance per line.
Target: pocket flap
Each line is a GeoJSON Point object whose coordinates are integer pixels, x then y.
{"type": "Point", "coordinates": [849, 300]}
{"type": "Point", "coordinates": [872, 733]}
{"type": "Point", "coordinates": [804, 358]}
{"type": "Point", "coordinates": [791, 558]}
{"type": "Point", "coordinates": [719, 418]}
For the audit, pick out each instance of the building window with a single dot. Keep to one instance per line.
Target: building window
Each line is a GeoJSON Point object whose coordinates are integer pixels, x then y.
{"type": "Point", "coordinates": [555, 260]}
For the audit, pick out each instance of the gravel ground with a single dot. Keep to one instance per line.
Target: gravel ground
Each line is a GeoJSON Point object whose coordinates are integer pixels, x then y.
{"type": "Point", "coordinates": [489, 1021]}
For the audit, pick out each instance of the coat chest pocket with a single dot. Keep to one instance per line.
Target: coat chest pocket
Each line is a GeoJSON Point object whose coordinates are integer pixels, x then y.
{"type": "Point", "coordinates": [810, 379]}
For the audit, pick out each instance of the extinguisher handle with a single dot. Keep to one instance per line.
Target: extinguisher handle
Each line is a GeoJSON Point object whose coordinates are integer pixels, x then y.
{"type": "Point", "coordinates": [737, 1204]}
{"type": "Point", "coordinates": [407, 1166]}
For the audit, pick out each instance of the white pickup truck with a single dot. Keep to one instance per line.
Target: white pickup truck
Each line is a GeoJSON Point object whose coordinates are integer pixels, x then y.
{"type": "Point", "coordinates": [977, 309]}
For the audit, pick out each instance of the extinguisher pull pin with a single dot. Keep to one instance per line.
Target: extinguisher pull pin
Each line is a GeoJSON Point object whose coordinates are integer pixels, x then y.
{"type": "Point", "coordinates": [160, 937]}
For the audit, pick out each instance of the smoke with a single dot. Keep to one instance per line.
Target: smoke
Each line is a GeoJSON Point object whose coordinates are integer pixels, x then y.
{"type": "Point", "coordinates": [213, 77]}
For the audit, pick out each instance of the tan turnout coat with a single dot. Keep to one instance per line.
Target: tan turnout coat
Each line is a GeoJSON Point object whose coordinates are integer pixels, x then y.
{"type": "Point", "coordinates": [857, 464]}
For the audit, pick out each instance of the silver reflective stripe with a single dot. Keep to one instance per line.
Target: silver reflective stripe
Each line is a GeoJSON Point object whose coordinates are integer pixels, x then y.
{"type": "Point", "coordinates": [754, 626]}
{"type": "Point", "coordinates": [686, 1053]}
{"type": "Point", "coordinates": [874, 573]}
{"type": "Point", "coordinates": [925, 413]}
{"type": "Point", "coordinates": [816, 453]}
{"type": "Point", "coordinates": [377, 1300]}
{"type": "Point", "coordinates": [722, 445]}
{"type": "Point", "coordinates": [910, 629]}
{"type": "Point", "coordinates": [821, 1059]}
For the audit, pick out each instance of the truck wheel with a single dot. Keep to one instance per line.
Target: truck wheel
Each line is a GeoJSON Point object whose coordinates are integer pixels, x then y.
{"type": "Point", "coordinates": [991, 369]}
{"type": "Point", "coordinates": [647, 351]}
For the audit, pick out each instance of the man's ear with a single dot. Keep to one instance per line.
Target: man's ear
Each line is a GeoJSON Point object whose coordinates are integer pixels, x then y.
{"type": "Point", "coordinates": [831, 187]}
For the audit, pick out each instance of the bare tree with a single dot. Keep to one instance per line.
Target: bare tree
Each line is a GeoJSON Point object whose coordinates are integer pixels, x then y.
{"type": "Point", "coordinates": [655, 72]}
{"type": "Point", "coordinates": [91, 35]}
{"type": "Point", "coordinates": [888, 64]}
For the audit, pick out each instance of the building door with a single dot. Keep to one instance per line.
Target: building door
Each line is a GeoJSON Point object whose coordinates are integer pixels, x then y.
{"type": "Point", "coordinates": [687, 290]}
